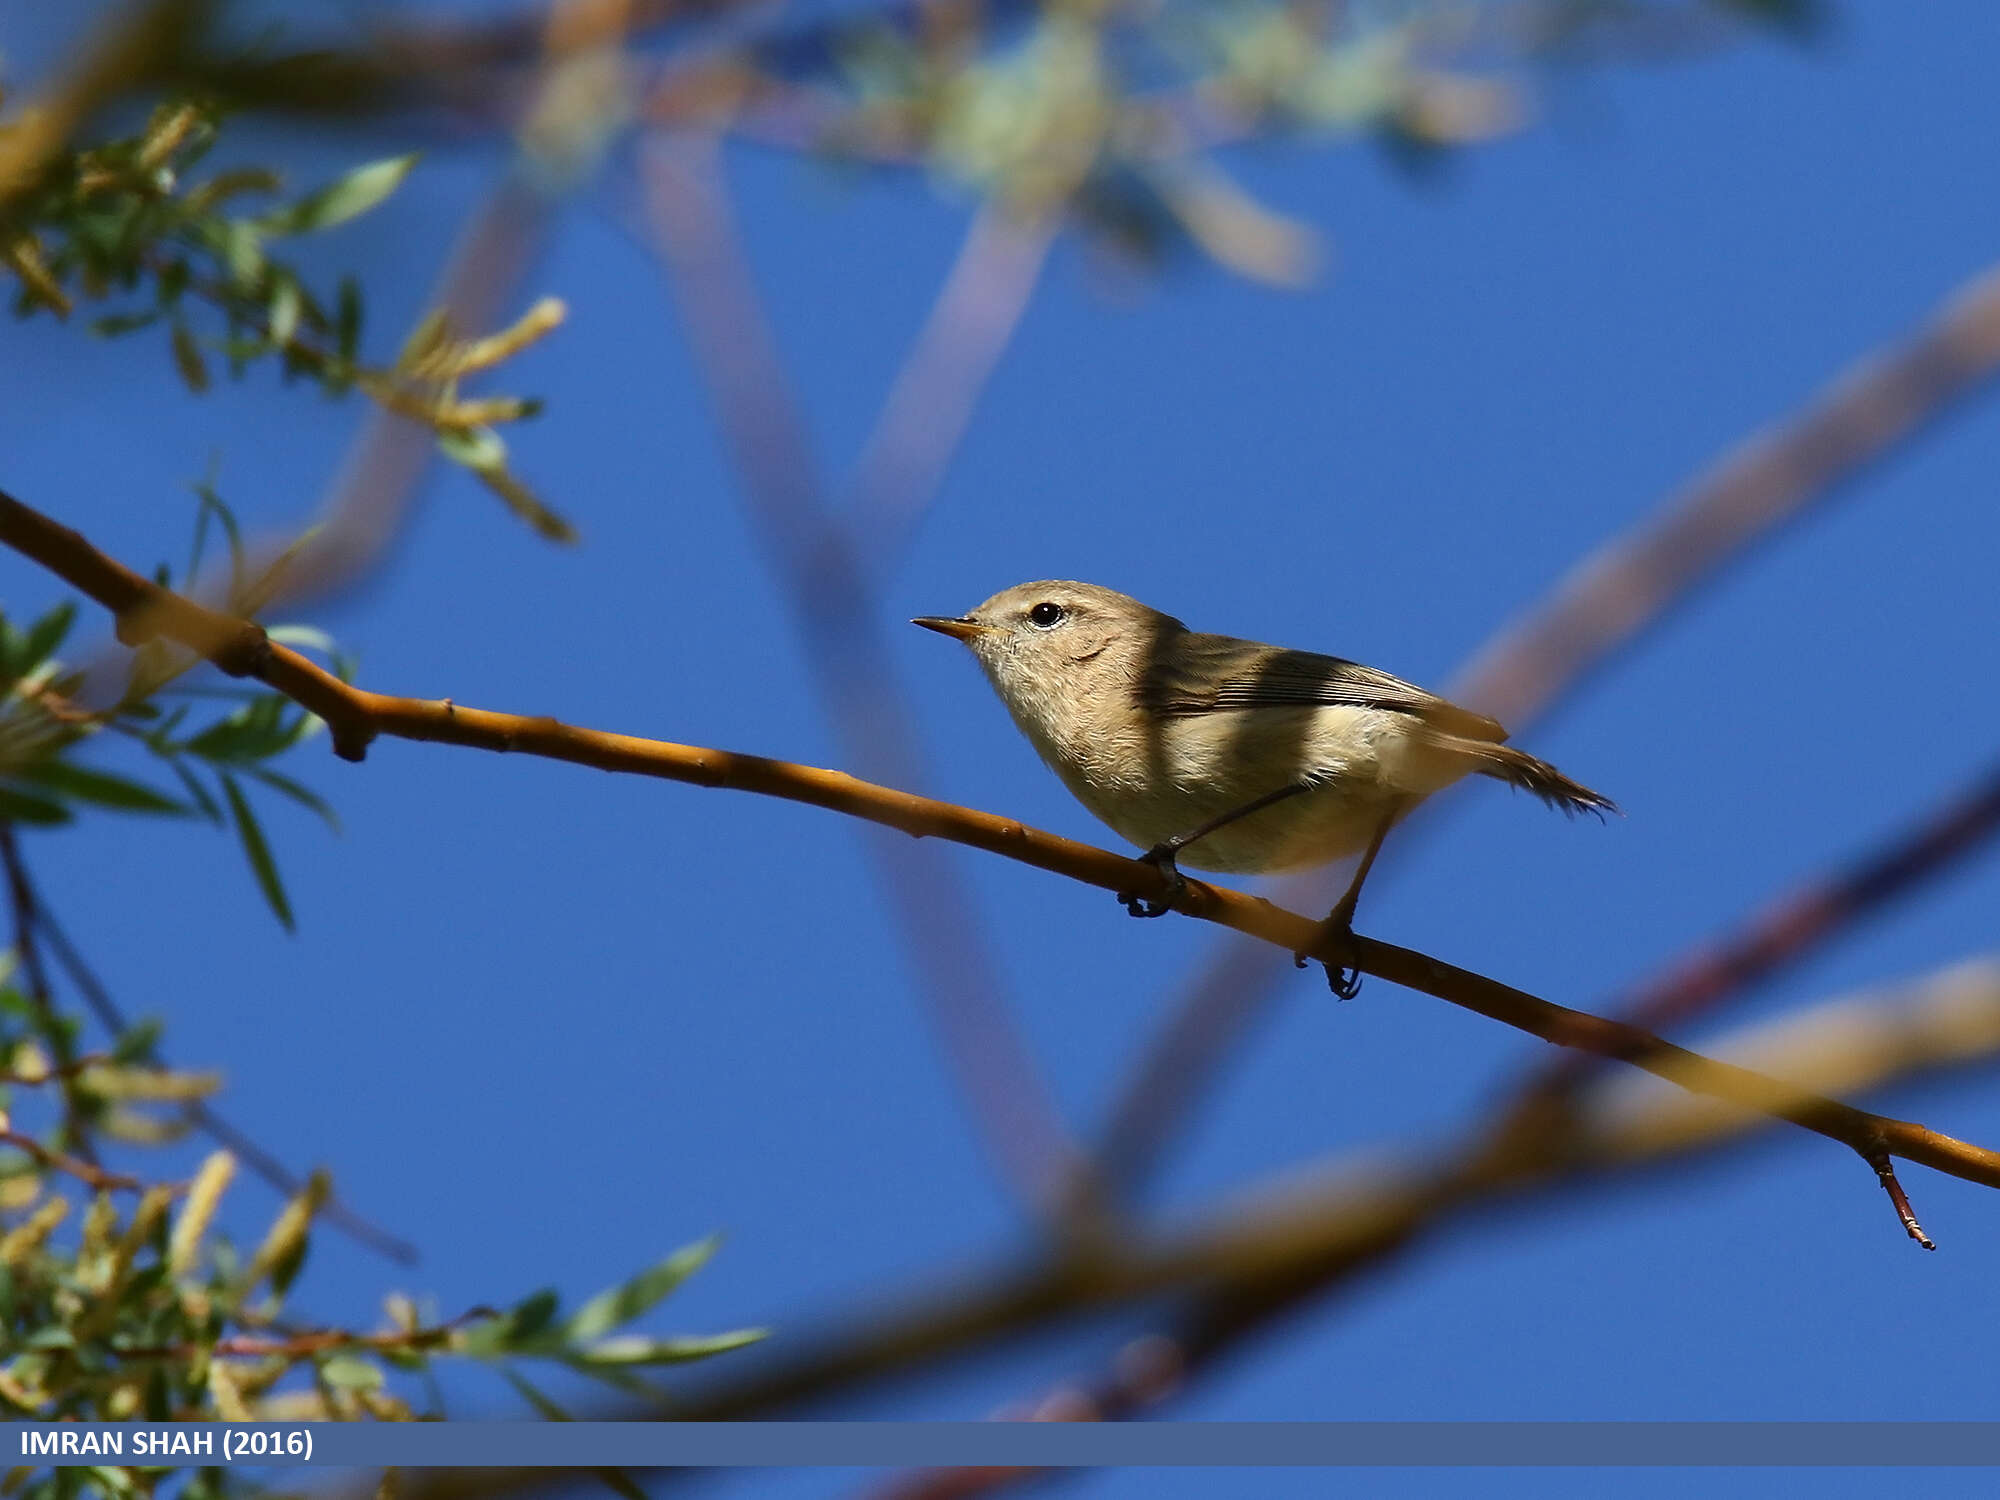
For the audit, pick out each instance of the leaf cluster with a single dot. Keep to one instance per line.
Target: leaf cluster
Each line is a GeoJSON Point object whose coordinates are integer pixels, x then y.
{"type": "Point", "coordinates": [126, 227]}
{"type": "Point", "coordinates": [212, 740]}
{"type": "Point", "coordinates": [144, 1310]}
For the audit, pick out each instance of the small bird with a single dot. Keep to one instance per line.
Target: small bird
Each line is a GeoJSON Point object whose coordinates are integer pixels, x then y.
{"type": "Point", "coordinates": [1225, 754]}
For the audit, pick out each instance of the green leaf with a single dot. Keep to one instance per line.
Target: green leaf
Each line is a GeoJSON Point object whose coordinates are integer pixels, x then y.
{"type": "Point", "coordinates": [347, 321]}
{"type": "Point", "coordinates": [257, 851]}
{"type": "Point", "coordinates": [632, 1349]}
{"type": "Point", "coordinates": [344, 198]}
{"type": "Point", "coordinates": [44, 636]}
{"type": "Point", "coordinates": [484, 452]}
{"type": "Point", "coordinates": [187, 358]}
{"type": "Point", "coordinates": [1802, 18]}
{"type": "Point", "coordinates": [101, 788]}
{"type": "Point", "coordinates": [525, 1324]}
{"type": "Point", "coordinates": [242, 248]}
{"type": "Point", "coordinates": [254, 732]}
{"type": "Point", "coordinates": [209, 502]}
{"type": "Point", "coordinates": [618, 1305]}
{"type": "Point", "coordinates": [22, 807]}
{"type": "Point", "coordinates": [478, 448]}
{"type": "Point", "coordinates": [304, 796]}
{"type": "Point", "coordinates": [118, 324]}
{"type": "Point", "coordinates": [286, 304]}
{"type": "Point", "coordinates": [619, 1483]}
{"type": "Point", "coordinates": [198, 792]}
{"type": "Point", "coordinates": [528, 1392]}
{"type": "Point", "coordinates": [618, 1378]}
{"type": "Point", "coordinates": [137, 1042]}
{"type": "Point", "coordinates": [351, 1372]}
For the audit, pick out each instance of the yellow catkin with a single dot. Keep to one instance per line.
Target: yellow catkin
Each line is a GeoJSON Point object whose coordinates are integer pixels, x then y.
{"type": "Point", "coordinates": [27, 1239]}
{"type": "Point", "coordinates": [204, 1193]}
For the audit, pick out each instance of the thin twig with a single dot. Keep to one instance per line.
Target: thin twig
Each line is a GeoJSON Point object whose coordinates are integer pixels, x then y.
{"type": "Point", "coordinates": [928, 408]}
{"type": "Point", "coordinates": [355, 717]}
{"type": "Point", "coordinates": [1802, 921]}
{"type": "Point", "coordinates": [41, 996]}
{"type": "Point", "coordinates": [88, 1173]}
{"type": "Point", "coordinates": [1614, 597]}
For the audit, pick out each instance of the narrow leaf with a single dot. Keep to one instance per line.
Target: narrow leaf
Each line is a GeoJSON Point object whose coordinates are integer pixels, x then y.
{"type": "Point", "coordinates": [544, 1405]}
{"type": "Point", "coordinates": [22, 807]}
{"type": "Point", "coordinates": [187, 357]}
{"type": "Point", "coordinates": [351, 1372]}
{"type": "Point", "coordinates": [305, 796]}
{"type": "Point", "coordinates": [45, 636]}
{"type": "Point", "coordinates": [100, 787]}
{"type": "Point", "coordinates": [344, 198]}
{"type": "Point", "coordinates": [198, 792]}
{"type": "Point", "coordinates": [257, 851]}
{"type": "Point", "coordinates": [616, 1306]}
{"type": "Point", "coordinates": [632, 1349]}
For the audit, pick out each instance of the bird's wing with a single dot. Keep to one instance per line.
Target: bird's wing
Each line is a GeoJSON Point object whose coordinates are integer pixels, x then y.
{"type": "Point", "coordinates": [1215, 673]}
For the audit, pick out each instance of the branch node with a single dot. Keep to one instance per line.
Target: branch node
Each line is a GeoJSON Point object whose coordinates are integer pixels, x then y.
{"type": "Point", "coordinates": [1885, 1169]}
{"type": "Point", "coordinates": [246, 654]}
{"type": "Point", "coordinates": [351, 741]}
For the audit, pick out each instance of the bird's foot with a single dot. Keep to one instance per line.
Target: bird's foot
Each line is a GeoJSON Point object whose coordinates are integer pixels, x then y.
{"type": "Point", "coordinates": [1161, 858]}
{"type": "Point", "coordinates": [1336, 932]}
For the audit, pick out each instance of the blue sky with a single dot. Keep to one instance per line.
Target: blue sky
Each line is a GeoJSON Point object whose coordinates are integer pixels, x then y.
{"type": "Point", "coordinates": [549, 1024]}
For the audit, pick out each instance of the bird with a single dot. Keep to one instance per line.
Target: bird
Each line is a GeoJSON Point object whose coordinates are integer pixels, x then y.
{"type": "Point", "coordinates": [1230, 755]}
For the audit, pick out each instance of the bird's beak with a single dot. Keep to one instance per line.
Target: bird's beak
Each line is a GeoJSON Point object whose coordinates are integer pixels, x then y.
{"type": "Point", "coordinates": [958, 627]}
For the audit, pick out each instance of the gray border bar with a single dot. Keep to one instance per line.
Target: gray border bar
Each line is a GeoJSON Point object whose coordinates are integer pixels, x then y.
{"type": "Point", "coordinates": [1052, 1444]}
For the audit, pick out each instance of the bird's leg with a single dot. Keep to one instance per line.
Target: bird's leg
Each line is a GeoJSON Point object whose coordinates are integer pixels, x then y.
{"type": "Point", "coordinates": [1162, 855]}
{"type": "Point", "coordinates": [1345, 982]}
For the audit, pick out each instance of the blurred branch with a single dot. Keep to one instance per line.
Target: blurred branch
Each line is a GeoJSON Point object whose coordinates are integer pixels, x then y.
{"type": "Point", "coordinates": [119, 56]}
{"type": "Point", "coordinates": [1863, 1043]}
{"type": "Point", "coordinates": [354, 717]}
{"type": "Point", "coordinates": [819, 566]}
{"type": "Point", "coordinates": [1270, 1251]}
{"type": "Point", "coordinates": [925, 415]}
{"type": "Point", "coordinates": [1606, 603]}
{"type": "Point", "coordinates": [1804, 920]}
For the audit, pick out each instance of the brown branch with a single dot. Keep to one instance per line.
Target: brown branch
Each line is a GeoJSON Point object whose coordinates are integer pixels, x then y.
{"type": "Point", "coordinates": [1625, 589]}
{"type": "Point", "coordinates": [1802, 921]}
{"type": "Point", "coordinates": [1269, 1252]}
{"type": "Point", "coordinates": [1948, 1019]}
{"type": "Point", "coordinates": [88, 1173]}
{"type": "Point", "coordinates": [355, 717]}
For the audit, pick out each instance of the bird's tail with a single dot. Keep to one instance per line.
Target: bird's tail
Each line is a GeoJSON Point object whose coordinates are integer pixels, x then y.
{"type": "Point", "coordinates": [1518, 768]}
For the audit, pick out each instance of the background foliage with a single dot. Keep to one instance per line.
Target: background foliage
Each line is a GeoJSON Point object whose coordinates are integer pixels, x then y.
{"type": "Point", "coordinates": [1371, 399]}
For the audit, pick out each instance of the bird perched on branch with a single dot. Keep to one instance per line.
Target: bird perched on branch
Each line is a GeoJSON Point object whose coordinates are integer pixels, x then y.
{"type": "Point", "coordinates": [1225, 754]}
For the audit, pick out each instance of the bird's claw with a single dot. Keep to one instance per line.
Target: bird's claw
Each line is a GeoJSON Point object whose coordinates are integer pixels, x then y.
{"type": "Point", "coordinates": [1161, 858]}
{"type": "Point", "coordinates": [1343, 979]}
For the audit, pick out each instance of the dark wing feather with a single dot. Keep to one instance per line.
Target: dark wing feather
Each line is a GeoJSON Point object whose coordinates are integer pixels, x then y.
{"type": "Point", "coordinates": [1205, 674]}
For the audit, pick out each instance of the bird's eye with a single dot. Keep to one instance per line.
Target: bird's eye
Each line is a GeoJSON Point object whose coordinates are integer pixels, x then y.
{"type": "Point", "coordinates": [1047, 615]}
